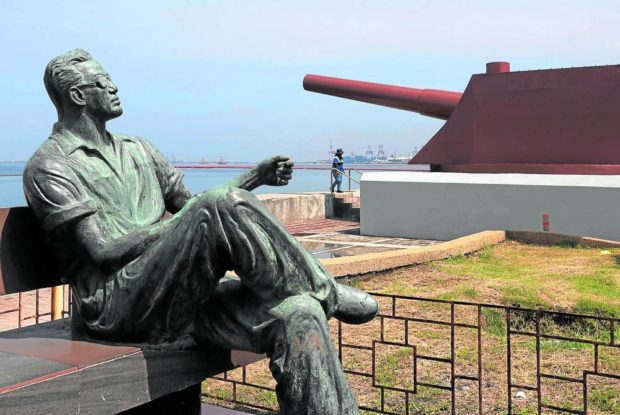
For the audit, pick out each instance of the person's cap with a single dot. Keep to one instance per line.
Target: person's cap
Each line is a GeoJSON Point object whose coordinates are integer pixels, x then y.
{"type": "Point", "coordinates": [339, 151]}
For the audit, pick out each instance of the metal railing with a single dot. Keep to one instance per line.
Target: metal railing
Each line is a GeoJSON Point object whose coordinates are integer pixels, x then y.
{"type": "Point", "coordinates": [34, 307]}
{"type": "Point", "coordinates": [482, 357]}
{"type": "Point", "coordinates": [472, 358]}
{"type": "Point", "coordinates": [331, 176]}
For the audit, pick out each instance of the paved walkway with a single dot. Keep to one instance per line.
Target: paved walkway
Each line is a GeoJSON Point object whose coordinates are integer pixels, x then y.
{"type": "Point", "coordinates": [333, 238]}
{"type": "Point", "coordinates": [9, 306]}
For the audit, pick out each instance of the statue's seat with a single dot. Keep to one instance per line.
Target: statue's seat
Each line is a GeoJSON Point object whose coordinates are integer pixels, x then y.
{"type": "Point", "coordinates": [48, 368]}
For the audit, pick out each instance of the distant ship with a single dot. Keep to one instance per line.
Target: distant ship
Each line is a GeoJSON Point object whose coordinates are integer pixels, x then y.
{"type": "Point", "coordinates": [222, 161]}
{"type": "Point", "coordinates": [393, 160]}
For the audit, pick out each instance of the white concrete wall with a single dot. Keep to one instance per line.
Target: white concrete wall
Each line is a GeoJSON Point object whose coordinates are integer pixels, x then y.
{"type": "Point", "coordinates": [448, 205]}
{"type": "Point", "coordinates": [298, 207]}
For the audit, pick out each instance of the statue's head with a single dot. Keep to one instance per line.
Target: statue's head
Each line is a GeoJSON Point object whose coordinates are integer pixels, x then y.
{"type": "Point", "coordinates": [76, 83]}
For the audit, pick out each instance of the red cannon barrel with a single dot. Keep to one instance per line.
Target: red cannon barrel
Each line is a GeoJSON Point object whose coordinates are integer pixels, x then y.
{"type": "Point", "coordinates": [430, 102]}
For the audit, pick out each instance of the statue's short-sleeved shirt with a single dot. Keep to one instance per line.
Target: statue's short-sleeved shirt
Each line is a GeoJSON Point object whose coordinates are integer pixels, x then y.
{"type": "Point", "coordinates": [122, 187]}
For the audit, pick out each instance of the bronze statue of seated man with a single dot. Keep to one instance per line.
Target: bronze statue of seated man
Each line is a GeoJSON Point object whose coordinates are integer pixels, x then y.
{"type": "Point", "coordinates": [136, 276]}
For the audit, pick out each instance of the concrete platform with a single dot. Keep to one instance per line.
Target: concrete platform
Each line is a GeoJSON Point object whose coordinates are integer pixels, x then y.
{"type": "Point", "coordinates": [333, 238]}
{"type": "Point", "coordinates": [450, 205]}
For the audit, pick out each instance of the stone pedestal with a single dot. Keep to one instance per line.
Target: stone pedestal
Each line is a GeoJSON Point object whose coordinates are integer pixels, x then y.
{"type": "Point", "coordinates": [186, 401]}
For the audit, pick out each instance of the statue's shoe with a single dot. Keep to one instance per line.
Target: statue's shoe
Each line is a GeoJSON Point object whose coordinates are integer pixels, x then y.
{"type": "Point", "coordinates": [355, 306]}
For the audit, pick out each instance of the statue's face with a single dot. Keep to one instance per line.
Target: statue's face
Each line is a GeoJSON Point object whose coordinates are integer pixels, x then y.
{"type": "Point", "coordinates": [99, 92]}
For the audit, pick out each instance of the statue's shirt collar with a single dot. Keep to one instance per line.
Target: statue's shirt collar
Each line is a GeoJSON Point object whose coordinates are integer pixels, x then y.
{"type": "Point", "coordinates": [70, 142]}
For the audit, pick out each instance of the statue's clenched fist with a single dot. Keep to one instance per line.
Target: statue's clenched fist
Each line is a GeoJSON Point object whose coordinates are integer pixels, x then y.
{"type": "Point", "coordinates": [275, 171]}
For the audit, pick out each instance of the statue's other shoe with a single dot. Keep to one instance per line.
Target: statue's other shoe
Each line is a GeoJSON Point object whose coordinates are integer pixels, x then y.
{"type": "Point", "coordinates": [355, 306]}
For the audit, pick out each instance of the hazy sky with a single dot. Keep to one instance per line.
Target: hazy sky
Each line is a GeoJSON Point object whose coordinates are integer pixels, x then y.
{"type": "Point", "coordinates": [224, 78]}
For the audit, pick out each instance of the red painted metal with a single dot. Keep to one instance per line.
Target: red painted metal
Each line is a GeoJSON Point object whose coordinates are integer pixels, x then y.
{"type": "Point", "coordinates": [546, 222]}
{"type": "Point", "coordinates": [429, 102]}
{"type": "Point", "coordinates": [498, 67]}
{"type": "Point", "coordinates": [556, 121]}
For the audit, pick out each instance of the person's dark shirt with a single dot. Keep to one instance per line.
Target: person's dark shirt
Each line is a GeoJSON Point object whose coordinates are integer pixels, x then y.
{"type": "Point", "coordinates": [338, 163]}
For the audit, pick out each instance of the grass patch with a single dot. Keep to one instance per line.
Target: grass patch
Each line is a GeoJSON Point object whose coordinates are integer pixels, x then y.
{"type": "Point", "coordinates": [601, 282]}
{"type": "Point", "coordinates": [526, 297]}
{"type": "Point", "coordinates": [482, 269]}
{"type": "Point", "coordinates": [597, 308]}
{"type": "Point", "coordinates": [485, 264]}
{"type": "Point", "coordinates": [461, 293]}
{"type": "Point", "coordinates": [607, 400]}
{"type": "Point", "coordinates": [400, 287]}
{"type": "Point", "coordinates": [223, 394]}
{"type": "Point", "coordinates": [610, 359]}
{"type": "Point", "coordinates": [429, 401]}
{"type": "Point", "coordinates": [468, 355]}
{"type": "Point", "coordinates": [430, 334]}
{"type": "Point", "coordinates": [456, 259]}
{"type": "Point", "coordinates": [552, 345]}
{"type": "Point", "coordinates": [486, 252]}
{"type": "Point", "coordinates": [566, 278]}
{"type": "Point", "coordinates": [386, 371]}
{"type": "Point", "coordinates": [267, 398]}
{"type": "Point", "coordinates": [494, 322]}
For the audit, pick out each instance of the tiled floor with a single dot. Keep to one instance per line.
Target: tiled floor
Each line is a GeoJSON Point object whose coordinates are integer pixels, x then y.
{"type": "Point", "coordinates": [343, 239]}
{"type": "Point", "coordinates": [9, 305]}
{"type": "Point", "coordinates": [317, 225]}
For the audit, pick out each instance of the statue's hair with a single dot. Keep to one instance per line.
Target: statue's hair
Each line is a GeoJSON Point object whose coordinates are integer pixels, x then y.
{"type": "Point", "coordinates": [61, 74]}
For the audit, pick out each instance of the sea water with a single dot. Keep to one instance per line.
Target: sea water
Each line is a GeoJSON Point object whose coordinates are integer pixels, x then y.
{"type": "Point", "coordinates": [306, 178]}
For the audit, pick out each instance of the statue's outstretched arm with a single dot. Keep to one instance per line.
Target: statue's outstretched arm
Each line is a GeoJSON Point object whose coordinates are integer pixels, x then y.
{"type": "Point", "coordinates": [274, 171]}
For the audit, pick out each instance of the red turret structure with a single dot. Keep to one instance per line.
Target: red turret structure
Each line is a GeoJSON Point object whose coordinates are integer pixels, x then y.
{"type": "Point", "coordinates": [562, 121]}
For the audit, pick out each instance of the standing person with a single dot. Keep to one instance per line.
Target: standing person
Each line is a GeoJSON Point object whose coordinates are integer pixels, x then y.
{"type": "Point", "coordinates": [338, 164]}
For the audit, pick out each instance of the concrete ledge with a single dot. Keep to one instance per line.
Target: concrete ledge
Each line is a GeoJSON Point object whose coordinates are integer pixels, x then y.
{"type": "Point", "coordinates": [297, 207]}
{"type": "Point", "coordinates": [549, 238]}
{"type": "Point", "coordinates": [383, 261]}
